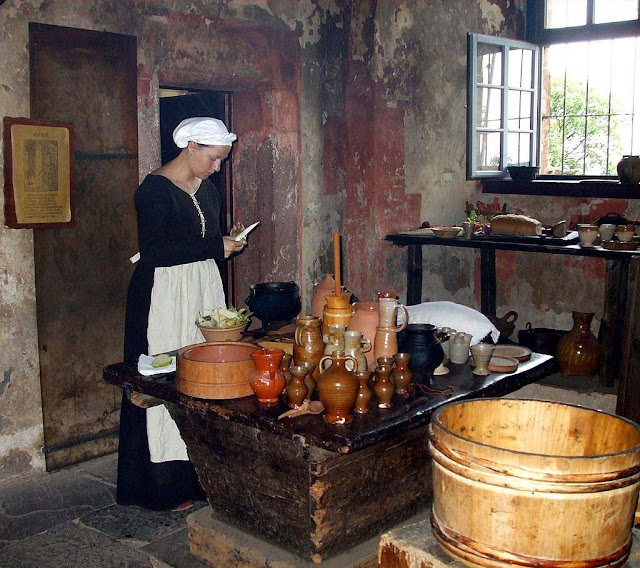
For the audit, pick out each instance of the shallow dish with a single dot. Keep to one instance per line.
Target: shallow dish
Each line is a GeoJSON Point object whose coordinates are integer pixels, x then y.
{"type": "Point", "coordinates": [517, 352]}
{"type": "Point", "coordinates": [503, 364]}
{"type": "Point", "coordinates": [221, 333]}
{"type": "Point", "coordinates": [446, 232]}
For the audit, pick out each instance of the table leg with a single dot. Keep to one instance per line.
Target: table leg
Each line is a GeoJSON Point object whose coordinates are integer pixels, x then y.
{"type": "Point", "coordinates": [414, 275]}
{"type": "Point", "coordinates": [612, 324]}
{"type": "Point", "coordinates": [488, 282]}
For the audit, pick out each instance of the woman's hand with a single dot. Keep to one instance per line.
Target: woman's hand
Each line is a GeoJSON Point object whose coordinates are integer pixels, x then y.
{"type": "Point", "coordinates": [231, 246]}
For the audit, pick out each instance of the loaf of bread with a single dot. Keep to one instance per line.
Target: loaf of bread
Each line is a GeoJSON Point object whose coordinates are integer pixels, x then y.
{"type": "Point", "coordinates": [515, 225]}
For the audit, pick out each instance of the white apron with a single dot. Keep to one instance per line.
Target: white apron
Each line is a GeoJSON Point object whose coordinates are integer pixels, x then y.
{"type": "Point", "coordinates": [180, 293]}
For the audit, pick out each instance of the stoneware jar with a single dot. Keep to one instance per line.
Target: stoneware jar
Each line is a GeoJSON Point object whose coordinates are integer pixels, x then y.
{"type": "Point", "coordinates": [338, 388]}
{"type": "Point", "coordinates": [365, 319]}
{"type": "Point", "coordinates": [357, 347]}
{"type": "Point", "coordinates": [267, 381]}
{"type": "Point", "coordinates": [578, 351]}
{"type": "Point", "coordinates": [459, 347]}
{"type": "Point", "coordinates": [420, 341]}
{"type": "Point", "coordinates": [629, 169]}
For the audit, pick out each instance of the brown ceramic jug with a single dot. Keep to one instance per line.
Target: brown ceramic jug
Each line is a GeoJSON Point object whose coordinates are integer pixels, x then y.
{"type": "Point", "coordinates": [297, 390]}
{"type": "Point", "coordinates": [338, 388]}
{"type": "Point", "coordinates": [365, 319]}
{"type": "Point", "coordinates": [320, 290]}
{"type": "Point", "coordinates": [578, 351]}
{"type": "Point", "coordinates": [401, 376]}
{"type": "Point", "coordinates": [364, 393]}
{"type": "Point", "coordinates": [309, 345]}
{"type": "Point", "coordinates": [267, 380]}
{"type": "Point", "coordinates": [384, 387]}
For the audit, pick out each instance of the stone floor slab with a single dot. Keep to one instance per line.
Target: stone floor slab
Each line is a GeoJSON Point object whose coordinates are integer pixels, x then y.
{"type": "Point", "coordinates": [44, 502]}
{"type": "Point", "coordinates": [104, 468]}
{"type": "Point", "coordinates": [174, 550]}
{"type": "Point", "coordinates": [137, 526]}
{"type": "Point", "coordinates": [72, 545]}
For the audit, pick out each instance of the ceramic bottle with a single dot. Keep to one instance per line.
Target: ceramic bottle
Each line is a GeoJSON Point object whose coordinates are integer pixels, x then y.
{"type": "Point", "coordinates": [578, 351]}
{"type": "Point", "coordinates": [308, 342]}
{"type": "Point", "coordinates": [297, 390]}
{"type": "Point", "coordinates": [267, 380]}
{"type": "Point", "coordinates": [356, 346]}
{"type": "Point", "coordinates": [384, 387]}
{"type": "Point", "coordinates": [459, 344]}
{"type": "Point", "coordinates": [401, 376]}
{"type": "Point", "coordinates": [364, 393]}
{"type": "Point", "coordinates": [337, 388]}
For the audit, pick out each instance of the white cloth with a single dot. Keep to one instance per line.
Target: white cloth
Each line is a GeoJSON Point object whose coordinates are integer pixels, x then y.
{"type": "Point", "coordinates": [456, 316]}
{"type": "Point", "coordinates": [145, 366]}
{"type": "Point", "coordinates": [180, 293]}
{"type": "Point", "coordinates": [203, 130]}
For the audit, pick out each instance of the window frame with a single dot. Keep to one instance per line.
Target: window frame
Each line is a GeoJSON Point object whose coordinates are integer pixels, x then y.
{"type": "Point", "coordinates": [472, 88]}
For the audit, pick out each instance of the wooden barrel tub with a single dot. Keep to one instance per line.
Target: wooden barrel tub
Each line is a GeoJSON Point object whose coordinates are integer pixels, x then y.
{"type": "Point", "coordinates": [215, 370]}
{"type": "Point", "coordinates": [533, 483]}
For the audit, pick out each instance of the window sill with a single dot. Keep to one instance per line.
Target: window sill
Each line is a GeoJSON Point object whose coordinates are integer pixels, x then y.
{"type": "Point", "coordinates": [557, 188]}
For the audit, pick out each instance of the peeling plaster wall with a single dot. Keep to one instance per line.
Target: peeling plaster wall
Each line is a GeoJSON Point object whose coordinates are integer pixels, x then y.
{"type": "Point", "coordinates": [194, 43]}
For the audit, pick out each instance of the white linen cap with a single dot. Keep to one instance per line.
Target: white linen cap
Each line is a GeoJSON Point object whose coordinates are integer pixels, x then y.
{"type": "Point", "coordinates": [202, 130]}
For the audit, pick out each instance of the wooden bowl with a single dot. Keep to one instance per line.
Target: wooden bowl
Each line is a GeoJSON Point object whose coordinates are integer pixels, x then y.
{"type": "Point", "coordinates": [221, 333]}
{"type": "Point", "coordinates": [446, 232]}
{"type": "Point", "coordinates": [215, 370]}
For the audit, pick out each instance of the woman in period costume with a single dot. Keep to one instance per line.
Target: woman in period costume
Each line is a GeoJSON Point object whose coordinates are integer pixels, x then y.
{"type": "Point", "coordinates": [175, 280]}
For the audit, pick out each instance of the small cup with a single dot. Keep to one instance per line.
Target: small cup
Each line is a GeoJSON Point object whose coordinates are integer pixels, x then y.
{"type": "Point", "coordinates": [481, 353]}
{"type": "Point", "coordinates": [625, 233]}
{"type": "Point", "coordinates": [607, 231]}
{"type": "Point", "coordinates": [467, 228]}
{"type": "Point", "coordinates": [588, 234]}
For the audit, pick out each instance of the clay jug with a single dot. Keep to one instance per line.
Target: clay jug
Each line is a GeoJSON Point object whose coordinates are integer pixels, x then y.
{"type": "Point", "coordinates": [384, 387]}
{"type": "Point", "coordinates": [267, 381]}
{"type": "Point", "coordinates": [338, 388]}
{"type": "Point", "coordinates": [297, 390]}
{"type": "Point", "coordinates": [336, 311]}
{"type": "Point", "coordinates": [578, 351]}
{"type": "Point", "coordinates": [364, 393]}
{"type": "Point", "coordinates": [284, 367]}
{"type": "Point", "coordinates": [385, 343]}
{"type": "Point", "coordinates": [356, 346]}
{"type": "Point", "coordinates": [309, 345]}
{"type": "Point", "coordinates": [420, 341]}
{"type": "Point", "coordinates": [320, 290]}
{"type": "Point", "coordinates": [334, 339]}
{"type": "Point", "coordinates": [388, 309]}
{"type": "Point", "coordinates": [365, 319]}
{"type": "Point", "coordinates": [401, 376]}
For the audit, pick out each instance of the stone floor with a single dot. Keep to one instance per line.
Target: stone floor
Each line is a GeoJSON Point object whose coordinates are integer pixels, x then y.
{"type": "Point", "coordinates": [69, 519]}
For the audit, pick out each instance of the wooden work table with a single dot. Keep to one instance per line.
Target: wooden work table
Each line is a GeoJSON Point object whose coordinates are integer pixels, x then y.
{"type": "Point", "coordinates": [312, 488]}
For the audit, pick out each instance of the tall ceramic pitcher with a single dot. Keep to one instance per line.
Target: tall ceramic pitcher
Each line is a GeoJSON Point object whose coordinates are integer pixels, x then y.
{"type": "Point", "coordinates": [267, 381]}
{"type": "Point", "coordinates": [309, 346]}
{"type": "Point", "coordinates": [388, 308]}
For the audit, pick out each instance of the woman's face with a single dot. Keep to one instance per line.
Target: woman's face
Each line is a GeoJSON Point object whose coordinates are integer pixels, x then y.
{"type": "Point", "coordinates": [205, 160]}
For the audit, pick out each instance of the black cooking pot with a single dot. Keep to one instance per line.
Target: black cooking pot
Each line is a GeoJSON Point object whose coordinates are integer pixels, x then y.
{"type": "Point", "coordinates": [419, 339]}
{"type": "Point", "coordinates": [612, 219]}
{"type": "Point", "coordinates": [274, 301]}
{"type": "Point", "coordinates": [540, 339]}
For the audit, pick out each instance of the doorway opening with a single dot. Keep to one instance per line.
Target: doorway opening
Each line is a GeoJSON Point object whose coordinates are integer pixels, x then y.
{"type": "Point", "coordinates": [177, 104]}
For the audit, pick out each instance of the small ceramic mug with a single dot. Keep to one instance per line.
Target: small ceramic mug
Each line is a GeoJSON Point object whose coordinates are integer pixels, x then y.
{"type": "Point", "coordinates": [588, 234]}
{"type": "Point", "coordinates": [607, 231]}
{"type": "Point", "coordinates": [625, 233]}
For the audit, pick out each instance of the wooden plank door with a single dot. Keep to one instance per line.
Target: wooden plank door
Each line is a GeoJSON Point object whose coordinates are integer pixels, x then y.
{"type": "Point", "coordinates": [82, 272]}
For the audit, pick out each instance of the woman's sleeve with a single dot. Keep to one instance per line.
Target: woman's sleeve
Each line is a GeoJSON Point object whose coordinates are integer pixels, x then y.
{"type": "Point", "coordinates": [154, 208]}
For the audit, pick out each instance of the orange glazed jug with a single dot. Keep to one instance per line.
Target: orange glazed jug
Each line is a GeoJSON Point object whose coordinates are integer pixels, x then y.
{"type": "Point", "coordinates": [267, 381]}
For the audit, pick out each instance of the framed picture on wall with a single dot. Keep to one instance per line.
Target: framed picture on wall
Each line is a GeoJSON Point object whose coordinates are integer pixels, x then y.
{"type": "Point", "coordinates": [39, 173]}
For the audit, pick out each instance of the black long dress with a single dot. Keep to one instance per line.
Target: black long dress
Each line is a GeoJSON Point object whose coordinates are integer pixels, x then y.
{"type": "Point", "coordinates": [170, 233]}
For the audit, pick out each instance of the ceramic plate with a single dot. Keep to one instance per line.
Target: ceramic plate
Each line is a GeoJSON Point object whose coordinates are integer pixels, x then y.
{"type": "Point", "coordinates": [516, 352]}
{"type": "Point", "coordinates": [503, 364]}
